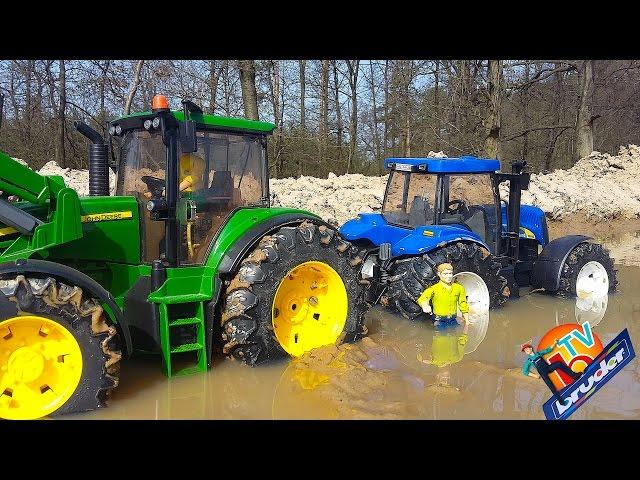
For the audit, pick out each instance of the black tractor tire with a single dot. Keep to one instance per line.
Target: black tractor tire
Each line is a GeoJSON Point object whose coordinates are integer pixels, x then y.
{"type": "Point", "coordinates": [578, 257]}
{"type": "Point", "coordinates": [85, 319]}
{"type": "Point", "coordinates": [247, 331]}
{"type": "Point", "coordinates": [409, 277]}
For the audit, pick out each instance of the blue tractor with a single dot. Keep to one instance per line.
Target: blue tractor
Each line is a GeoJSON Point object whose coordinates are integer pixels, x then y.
{"type": "Point", "coordinates": [449, 210]}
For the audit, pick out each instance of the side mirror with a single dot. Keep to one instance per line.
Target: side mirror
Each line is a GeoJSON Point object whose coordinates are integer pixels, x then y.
{"type": "Point", "coordinates": [188, 139]}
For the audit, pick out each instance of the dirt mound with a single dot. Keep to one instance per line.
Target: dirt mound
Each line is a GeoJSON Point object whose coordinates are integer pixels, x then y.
{"type": "Point", "coordinates": [76, 179]}
{"type": "Point", "coordinates": [601, 186]}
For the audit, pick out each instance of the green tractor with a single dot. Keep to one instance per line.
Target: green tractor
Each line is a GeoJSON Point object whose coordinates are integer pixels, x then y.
{"type": "Point", "coordinates": [186, 260]}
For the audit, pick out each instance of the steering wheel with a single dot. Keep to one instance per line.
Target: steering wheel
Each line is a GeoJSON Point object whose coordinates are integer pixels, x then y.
{"type": "Point", "coordinates": [457, 206]}
{"type": "Point", "coordinates": [154, 185]}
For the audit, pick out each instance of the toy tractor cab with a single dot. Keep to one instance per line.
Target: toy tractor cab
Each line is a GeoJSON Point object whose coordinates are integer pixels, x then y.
{"type": "Point", "coordinates": [217, 172]}
{"type": "Point", "coordinates": [449, 210]}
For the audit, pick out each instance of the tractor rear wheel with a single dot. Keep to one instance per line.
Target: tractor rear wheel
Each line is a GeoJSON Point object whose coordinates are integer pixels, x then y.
{"type": "Point", "coordinates": [588, 270]}
{"type": "Point", "coordinates": [409, 277]}
{"type": "Point", "coordinates": [298, 290]}
{"type": "Point", "coordinates": [58, 355]}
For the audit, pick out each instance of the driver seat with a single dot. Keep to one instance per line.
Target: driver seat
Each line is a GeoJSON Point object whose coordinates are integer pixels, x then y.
{"type": "Point", "coordinates": [420, 212]}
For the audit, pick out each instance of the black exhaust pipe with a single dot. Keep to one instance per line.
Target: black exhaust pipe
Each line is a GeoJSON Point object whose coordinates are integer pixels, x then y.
{"type": "Point", "coordinates": [98, 160]}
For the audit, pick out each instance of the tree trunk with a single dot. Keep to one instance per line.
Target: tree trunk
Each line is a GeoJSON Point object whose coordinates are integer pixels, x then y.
{"type": "Point", "coordinates": [386, 107]}
{"type": "Point", "coordinates": [436, 101]}
{"type": "Point", "coordinates": [62, 106]}
{"type": "Point", "coordinates": [525, 111]}
{"type": "Point", "coordinates": [324, 101]}
{"type": "Point", "coordinates": [353, 67]}
{"type": "Point", "coordinates": [584, 122]}
{"type": "Point", "coordinates": [376, 134]}
{"type": "Point", "coordinates": [134, 87]}
{"type": "Point", "coordinates": [275, 90]}
{"type": "Point", "coordinates": [553, 135]}
{"type": "Point", "coordinates": [303, 85]}
{"type": "Point", "coordinates": [247, 70]}
{"type": "Point", "coordinates": [336, 92]}
{"type": "Point", "coordinates": [28, 107]}
{"type": "Point", "coordinates": [213, 86]}
{"type": "Point", "coordinates": [492, 140]}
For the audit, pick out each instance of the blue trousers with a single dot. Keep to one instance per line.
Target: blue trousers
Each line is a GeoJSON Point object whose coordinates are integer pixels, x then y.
{"type": "Point", "coordinates": [445, 322]}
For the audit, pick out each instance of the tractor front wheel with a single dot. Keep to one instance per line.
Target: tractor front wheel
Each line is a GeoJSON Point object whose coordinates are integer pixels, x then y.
{"type": "Point", "coordinates": [298, 290]}
{"type": "Point", "coordinates": [588, 270]}
{"type": "Point", "coordinates": [473, 266]}
{"type": "Point", "coordinates": [58, 354]}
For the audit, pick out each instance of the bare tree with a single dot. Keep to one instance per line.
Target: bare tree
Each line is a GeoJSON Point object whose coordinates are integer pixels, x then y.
{"type": "Point", "coordinates": [585, 119]}
{"type": "Point", "coordinates": [336, 92]}
{"type": "Point", "coordinates": [134, 87]}
{"type": "Point", "coordinates": [213, 85]}
{"type": "Point", "coordinates": [62, 107]}
{"type": "Point", "coordinates": [303, 84]}
{"type": "Point", "coordinates": [492, 140]}
{"type": "Point", "coordinates": [324, 101]}
{"type": "Point", "coordinates": [353, 66]}
{"type": "Point", "coordinates": [247, 70]}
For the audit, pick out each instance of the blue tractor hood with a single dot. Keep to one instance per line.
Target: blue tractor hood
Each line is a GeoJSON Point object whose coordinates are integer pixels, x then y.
{"type": "Point", "coordinates": [405, 240]}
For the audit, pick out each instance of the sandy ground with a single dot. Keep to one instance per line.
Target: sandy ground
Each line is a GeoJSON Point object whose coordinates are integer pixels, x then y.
{"type": "Point", "coordinates": [599, 196]}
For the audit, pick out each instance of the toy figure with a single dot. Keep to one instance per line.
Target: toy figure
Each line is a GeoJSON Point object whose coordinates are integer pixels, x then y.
{"type": "Point", "coordinates": [445, 296]}
{"type": "Point", "coordinates": [191, 174]}
{"type": "Point", "coordinates": [544, 369]}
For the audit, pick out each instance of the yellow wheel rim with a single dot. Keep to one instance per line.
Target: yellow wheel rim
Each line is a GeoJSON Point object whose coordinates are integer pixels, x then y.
{"type": "Point", "coordinates": [310, 308]}
{"type": "Point", "coordinates": [40, 367]}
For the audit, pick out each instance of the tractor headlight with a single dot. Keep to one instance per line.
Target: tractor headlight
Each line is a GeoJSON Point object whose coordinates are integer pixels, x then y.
{"type": "Point", "coordinates": [156, 122]}
{"type": "Point", "coordinates": [147, 124]}
{"type": "Point", "coordinates": [118, 130]}
{"type": "Point", "coordinates": [112, 130]}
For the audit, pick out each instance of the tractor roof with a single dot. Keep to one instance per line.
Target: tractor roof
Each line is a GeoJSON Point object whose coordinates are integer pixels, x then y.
{"type": "Point", "coordinates": [214, 121]}
{"type": "Point", "coordinates": [443, 165]}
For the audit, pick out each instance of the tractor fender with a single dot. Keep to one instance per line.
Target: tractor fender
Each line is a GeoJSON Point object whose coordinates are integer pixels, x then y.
{"type": "Point", "coordinates": [548, 266]}
{"type": "Point", "coordinates": [234, 255]}
{"type": "Point", "coordinates": [88, 284]}
{"type": "Point", "coordinates": [427, 239]}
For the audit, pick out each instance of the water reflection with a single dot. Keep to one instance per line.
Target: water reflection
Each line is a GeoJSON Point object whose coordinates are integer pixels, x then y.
{"type": "Point", "coordinates": [591, 308]}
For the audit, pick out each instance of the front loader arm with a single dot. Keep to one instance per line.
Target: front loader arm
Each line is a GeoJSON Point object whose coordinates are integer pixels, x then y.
{"type": "Point", "coordinates": [16, 179]}
{"type": "Point", "coordinates": [21, 234]}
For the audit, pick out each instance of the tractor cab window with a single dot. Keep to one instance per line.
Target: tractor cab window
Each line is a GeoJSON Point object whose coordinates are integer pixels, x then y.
{"type": "Point", "coordinates": [141, 173]}
{"type": "Point", "coordinates": [410, 199]}
{"type": "Point", "coordinates": [226, 172]}
{"type": "Point", "coordinates": [470, 201]}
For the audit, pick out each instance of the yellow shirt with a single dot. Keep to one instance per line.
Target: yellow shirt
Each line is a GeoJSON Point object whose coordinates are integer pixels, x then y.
{"type": "Point", "coordinates": [445, 298]}
{"type": "Point", "coordinates": [192, 169]}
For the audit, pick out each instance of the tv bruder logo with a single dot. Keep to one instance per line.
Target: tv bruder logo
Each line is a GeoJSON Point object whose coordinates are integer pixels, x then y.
{"type": "Point", "coordinates": [613, 357]}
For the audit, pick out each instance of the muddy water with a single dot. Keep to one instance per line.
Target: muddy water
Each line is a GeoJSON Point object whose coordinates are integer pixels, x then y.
{"type": "Point", "coordinates": [402, 370]}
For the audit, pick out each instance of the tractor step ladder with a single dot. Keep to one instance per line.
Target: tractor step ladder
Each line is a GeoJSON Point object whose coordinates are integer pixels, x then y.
{"type": "Point", "coordinates": [172, 346]}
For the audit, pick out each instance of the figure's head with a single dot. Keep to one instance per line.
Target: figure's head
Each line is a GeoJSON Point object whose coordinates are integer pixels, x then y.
{"type": "Point", "coordinates": [527, 348]}
{"type": "Point", "coordinates": [445, 272]}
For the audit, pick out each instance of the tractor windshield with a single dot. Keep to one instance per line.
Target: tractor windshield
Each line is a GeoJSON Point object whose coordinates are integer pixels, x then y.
{"type": "Point", "coordinates": [226, 172]}
{"type": "Point", "coordinates": [410, 199]}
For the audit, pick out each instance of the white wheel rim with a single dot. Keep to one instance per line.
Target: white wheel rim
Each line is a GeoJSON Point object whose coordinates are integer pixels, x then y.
{"type": "Point", "coordinates": [477, 291]}
{"type": "Point", "coordinates": [592, 280]}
